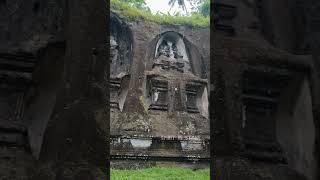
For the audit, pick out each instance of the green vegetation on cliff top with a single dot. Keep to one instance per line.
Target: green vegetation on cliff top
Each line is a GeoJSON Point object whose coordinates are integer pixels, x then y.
{"type": "Point", "coordinates": [132, 13]}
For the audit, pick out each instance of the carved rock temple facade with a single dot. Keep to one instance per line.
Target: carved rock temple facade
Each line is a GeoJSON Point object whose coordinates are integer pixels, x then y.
{"type": "Point", "coordinates": [158, 92]}
{"type": "Point", "coordinates": [265, 89]}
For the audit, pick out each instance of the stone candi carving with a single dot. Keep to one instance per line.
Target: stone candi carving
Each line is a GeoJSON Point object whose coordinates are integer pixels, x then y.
{"type": "Point", "coordinates": [15, 80]}
{"type": "Point", "coordinates": [171, 80]}
{"type": "Point", "coordinates": [171, 53]}
{"type": "Point", "coordinates": [170, 113]}
{"type": "Point", "coordinates": [260, 99]}
{"type": "Point", "coordinates": [169, 57]}
{"type": "Point", "coordinates": [114, 54]}
{"type": "Point", "coordinates": [169, 49]}
{"type": "Point", "coordinates": [159, 95]}
{"type": "Point", "coordinates": [119, 73]}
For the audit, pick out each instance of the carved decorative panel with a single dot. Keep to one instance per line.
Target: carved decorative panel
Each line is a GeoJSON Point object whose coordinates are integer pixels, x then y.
{"type": "Point", "coordinates": [121, 59]}
{"type": "Point", "coordinates": [15, 80]}
{"type": "Point", "coordinates": [171, 53]}
{"type": "Point", "coordinates": [192, 91]}
{"type": "Point", "coordinates": [260, 97]}
{"type": "Point", "coordinates": [158, 94]}
{"type": "Point", "coordinates": [115, 87]}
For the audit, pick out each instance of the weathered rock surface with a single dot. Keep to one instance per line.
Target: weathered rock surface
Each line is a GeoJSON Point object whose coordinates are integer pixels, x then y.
{"type": "Point", "coordinates": [264, 102]}
{"type": "Point", "coordinates": [164, 104]}
{"type": "Point", "coordinates": [52, 97]}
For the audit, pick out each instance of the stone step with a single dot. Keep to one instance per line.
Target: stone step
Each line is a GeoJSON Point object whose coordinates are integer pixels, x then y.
{"type": "Point", "coordinates": [12, 139]}
{"type": "Point", "coordinates": [161, 107]}
{"type": "Point", "coordinates": [12, 126]}
{"type": "Point", "coordinates": [192, 109]}
{"type": "Point", "coordinates": [114, 105]}
{"type": "Point", "coordinates": [274, 157]}
{"type": "Point", "coordinates": [160, 158]}
{"type": "Point", "coordinates": [12, 133]}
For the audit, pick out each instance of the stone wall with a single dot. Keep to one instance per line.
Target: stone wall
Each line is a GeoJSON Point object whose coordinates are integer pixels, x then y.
{"type": "Point", "coordinates": [264, 43]}
{"type": "Point", "coordinates": [164, 130]}
{"type": "Point", "coordinates": [53, 62]}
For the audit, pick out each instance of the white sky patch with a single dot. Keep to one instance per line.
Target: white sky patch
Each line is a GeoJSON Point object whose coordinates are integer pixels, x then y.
{"type": "Point", "coordinates": [162, 6]}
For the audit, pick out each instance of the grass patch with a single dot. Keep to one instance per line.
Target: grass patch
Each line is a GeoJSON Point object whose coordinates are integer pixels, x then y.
{"type": "Point", "coordinates": [160, 173]}
{"type": "Point", "coordinates": [132, 13]}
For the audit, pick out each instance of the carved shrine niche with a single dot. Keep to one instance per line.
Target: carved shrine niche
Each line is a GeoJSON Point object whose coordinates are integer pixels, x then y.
{"type": "Point", "coordinates": [171, 81]}
{"type": "Point", "coordinates": [158, 94]}
{"type": "Point", "coordinates": [260, 95]}
{"type": "Point", "coordinates": [121, 59]}
{"type": "Point", "coordinates": [115, 85]}
{"type": "Point", "coordinates": [177, 103]}
{"type": "Point", "coordinates": [119, 62]}
{"type": "Point", "coordinates": [191, 97]}
{"type": "Point", "coordinates": [120, 47]}
{"type": "Point", "coordinates": [171, 53]}
{"type": "Point", "coordinates": [167, 145]}
{"type": "Point", "coordinates": [11, 105]}
{"type": "Point", "coordinates": [118, 91]}
{"type": "Point", "coordinates": [15, 80]}
{"type": "Point", "coordinates": [196, 97]}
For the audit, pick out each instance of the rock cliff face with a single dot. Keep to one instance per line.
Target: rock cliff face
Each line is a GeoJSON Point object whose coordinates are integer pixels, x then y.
{"type": "Point", "coordinates": [52, 89]}
{"type": "Point", "coordinates": [159, 91]}
{"type": "Point", "coordinates": [264, 97]}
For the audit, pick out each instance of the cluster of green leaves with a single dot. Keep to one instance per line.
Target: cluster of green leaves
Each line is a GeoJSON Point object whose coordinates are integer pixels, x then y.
{"type": "Point", "coordinates": [132, 11]}
{"type": "Point", "coordinates": [140, 4]}
{"type": "Point", "coordinates": [204, 8]}
{"type": "Point", "coordinates": [160, 173]}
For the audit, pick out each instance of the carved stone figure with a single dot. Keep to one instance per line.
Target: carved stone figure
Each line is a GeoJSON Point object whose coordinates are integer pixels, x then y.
{"type": "Point", "coordinates": [164, 49]}
{"type": "Point", "coordinates": [114, 54]}
{"type": "Point", "coordinates": [169, 49]}
{"type": "Point", "coordinates": [176, 53]}
{"type": "Point", "coordinates": [169, 57]}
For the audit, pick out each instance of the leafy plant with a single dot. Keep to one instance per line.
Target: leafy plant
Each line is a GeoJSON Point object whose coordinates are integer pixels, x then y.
{"type": "Point", "coordinates": [132, 12]}
{"type": "Point", "coordinates": [141, 4]}
{"type": "Point", "coordinates": [204, 8]}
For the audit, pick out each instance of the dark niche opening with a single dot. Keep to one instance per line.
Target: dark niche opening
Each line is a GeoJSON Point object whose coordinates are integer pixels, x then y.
{"type": "Point", "coordinates": [191, 99]}
{"type": "Point", "coordinates": [3, 2]}
{"type": "Point", "coordinates": [158, 94]}
{"type": "Point", "coordinates": [121, 60]}
{"type": "Point", "coordinates": [260, 96]}
{"type": "Point", "coordinates": [197, 98]}
{"type": "Point", "coordinates": [36, 6]}
{"type": "Point", "coordinates": [120, 47]}
{"type": "Point", "coordinates": [15, 79]}
{"type": "Point", "coordinates": [164, 145]}
{"type": "Point", "coordinates": [170, 53]}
